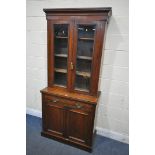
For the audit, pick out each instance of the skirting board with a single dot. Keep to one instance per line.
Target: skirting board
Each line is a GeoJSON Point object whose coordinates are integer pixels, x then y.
{"type": "Point", "coordinates": [113, 135]}
{"type": "Point", "coordinates": [33, 112]}
{"type": "Point", "coordinates": [100, 131]}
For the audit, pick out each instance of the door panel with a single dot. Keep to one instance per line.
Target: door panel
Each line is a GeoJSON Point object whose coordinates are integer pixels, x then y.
{"type": "Point", "coordinates": [54, 119]}
{"type": "Point", "coordinates": [78, 126]}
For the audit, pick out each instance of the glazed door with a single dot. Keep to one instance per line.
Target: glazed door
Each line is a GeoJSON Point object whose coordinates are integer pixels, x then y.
{"type": "Point", "coordinates": [74, 54]}
{"type": "Point", "coordinates": [85, 38]}
{"type": "Point", "coordinates": [59, 52]}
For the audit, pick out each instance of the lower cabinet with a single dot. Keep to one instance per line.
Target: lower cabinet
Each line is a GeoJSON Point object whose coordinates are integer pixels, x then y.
{"type": "Point", "coordinates": [68, 120]}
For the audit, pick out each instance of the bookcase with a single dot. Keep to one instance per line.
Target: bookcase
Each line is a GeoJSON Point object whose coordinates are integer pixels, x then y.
{"type": "Point", "coordinates": [75, 39]}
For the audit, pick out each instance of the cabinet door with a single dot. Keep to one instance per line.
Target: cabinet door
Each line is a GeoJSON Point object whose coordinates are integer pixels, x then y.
{"type": "Point", "coordinates": [79, 126]}
{"type": "Point", "coordinates": [88, 39]}
{"type": "Point", "coordinates": [54, 116]}
{"type": "Point", "coordinates": [59, 47]}
{"type": "Point", "coordinates": [84, 48]}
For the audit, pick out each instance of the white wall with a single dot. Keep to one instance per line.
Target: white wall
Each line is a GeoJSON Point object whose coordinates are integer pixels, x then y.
{"type": "Point", "coordinates": [113, 114]}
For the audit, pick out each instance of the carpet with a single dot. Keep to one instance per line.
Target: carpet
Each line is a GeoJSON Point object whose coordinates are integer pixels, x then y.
{"type": "Point", "coordinates": [38, 145]}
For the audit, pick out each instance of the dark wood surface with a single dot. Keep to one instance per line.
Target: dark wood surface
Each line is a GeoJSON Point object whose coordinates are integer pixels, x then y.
{"type": "Point", "coordinates": [62, 92]}
{"type": "Point", "coordinates": [68, 120]}
{"type": "Point", "coordinates": [68, 114]}
{"type": "Point", "coordinates": [107, 10]}
{"type": "Point", "coordinates": [78, 10]}
{"type": "Point", "coordinates": [81, 13]}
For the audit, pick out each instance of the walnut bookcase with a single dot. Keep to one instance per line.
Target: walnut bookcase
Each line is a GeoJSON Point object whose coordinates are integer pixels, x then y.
{"type": "Point", "coordinates": [75, 38]}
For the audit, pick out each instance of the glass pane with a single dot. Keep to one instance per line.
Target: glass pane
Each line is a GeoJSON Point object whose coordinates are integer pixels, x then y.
{"type": "Point", "coordinates": [86, 31]}
{"type": "Point", "coordinates": [83, 65]}
{"type": "Point", "coordinates": [82, 83]}
{"type": "Point", "coordinates": [85, 48]}
{"type": "Point", "coordinates": [61, 54]}
{"type": "Point", "coordinates": [60, 79]}
{"type": "Point", "coordinates": [60, 62]}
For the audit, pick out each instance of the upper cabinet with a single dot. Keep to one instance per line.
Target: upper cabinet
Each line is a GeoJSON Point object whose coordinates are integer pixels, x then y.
{"type": "Point", "coordinates": [75, 41]}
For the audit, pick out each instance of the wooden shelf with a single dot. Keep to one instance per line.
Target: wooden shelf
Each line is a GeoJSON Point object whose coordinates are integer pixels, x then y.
{"type": "Point", "coordinates": [61, 55]}
{"type": "Point", "coordinates": [84, 57]}
{"type": "Point", "coordinates": [61, 37]}
{"type": "Point", "coordinates": [84, 74]}
{"type": "Point", "coordinates": [60, 70]}
{"type": "Point", "coordinates": [84, 38]}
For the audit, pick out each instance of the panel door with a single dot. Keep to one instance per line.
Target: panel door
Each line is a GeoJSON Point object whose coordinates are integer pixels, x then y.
{"type": "Point", "coordinates": [54, 119]}
{"type": "Point", "coordinates": [78, 126]}
{"type": "Point", "coordinates": [86, 35]}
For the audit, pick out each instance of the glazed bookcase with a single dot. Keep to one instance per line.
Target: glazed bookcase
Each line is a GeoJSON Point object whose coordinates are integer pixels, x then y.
{"type": "Point", "coordinates": [75, 40]}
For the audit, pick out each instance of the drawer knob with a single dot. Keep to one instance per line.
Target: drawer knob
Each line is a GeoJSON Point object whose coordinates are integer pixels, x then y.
{"type": "Point", "coordinates": [78, 106]}
{"type": "Point", "coordinates": [54, 101]}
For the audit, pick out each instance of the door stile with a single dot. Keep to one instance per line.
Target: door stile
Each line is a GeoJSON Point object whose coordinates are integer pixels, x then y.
{"type": "Point", "coordinates": [71, 67]}
{"type": "Point", "coordinates": [75, 36]}
{"type": "Point", "coordinates": [50, 51]}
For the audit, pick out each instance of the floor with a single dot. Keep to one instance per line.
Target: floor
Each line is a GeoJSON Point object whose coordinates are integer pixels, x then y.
{"type": "Point", "coordinates": [38, 145]}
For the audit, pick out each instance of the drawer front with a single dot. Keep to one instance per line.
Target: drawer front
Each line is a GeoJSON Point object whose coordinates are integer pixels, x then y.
{"type": "Point", "coordinates": [67, 104]}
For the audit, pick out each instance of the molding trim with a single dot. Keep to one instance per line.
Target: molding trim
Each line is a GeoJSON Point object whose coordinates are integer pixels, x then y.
{"type": "Point", "coordinates": [100, 131]}
{"type": "Point", "coordinates": [34, 112]}
{"type": "Point", "coordinates": [113, 135]}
